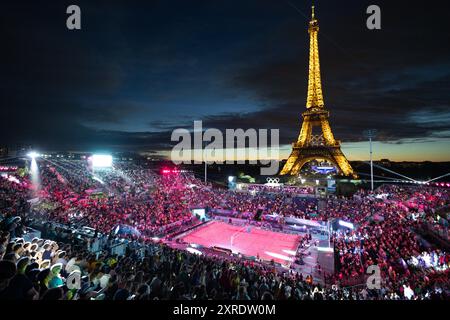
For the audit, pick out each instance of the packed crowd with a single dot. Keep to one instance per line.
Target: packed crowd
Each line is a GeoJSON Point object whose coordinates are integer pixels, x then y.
{"type": "Point", "coordinates": [147, 201]}
{"type": "Point", "coordinates": [114, 197]}
{"type": "Point", "coordinates": [293, 190]}
{"type": "Point", "coordinates": [41, 269]}
{"type": "Point", "coordinates": [385, 234]}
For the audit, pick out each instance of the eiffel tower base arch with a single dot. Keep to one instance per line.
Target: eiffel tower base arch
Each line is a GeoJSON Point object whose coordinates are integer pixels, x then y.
{"type": "Point", "coordinates": [302, 155]}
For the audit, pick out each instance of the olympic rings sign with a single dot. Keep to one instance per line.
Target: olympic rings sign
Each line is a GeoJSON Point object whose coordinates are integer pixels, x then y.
{"type": "Point", "coordinates": [272, 180]}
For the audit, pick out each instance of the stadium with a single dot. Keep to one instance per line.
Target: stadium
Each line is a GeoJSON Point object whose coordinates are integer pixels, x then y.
{"type": "Point", "coordinates": [186, 157]}
{"type": "Point", "coordinates": [101, 223]}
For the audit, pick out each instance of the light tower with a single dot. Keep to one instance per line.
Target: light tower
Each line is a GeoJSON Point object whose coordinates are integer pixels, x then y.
{"type": "Point", "coordinates": [370, 133]}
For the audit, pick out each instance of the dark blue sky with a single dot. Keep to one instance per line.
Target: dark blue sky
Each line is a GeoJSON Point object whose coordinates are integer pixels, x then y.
{"type": "Point", "coordinates": [139, 69]}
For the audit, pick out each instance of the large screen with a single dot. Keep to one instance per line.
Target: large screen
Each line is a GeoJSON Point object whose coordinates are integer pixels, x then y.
{"type": "Point", "coordinates": [101, 161]}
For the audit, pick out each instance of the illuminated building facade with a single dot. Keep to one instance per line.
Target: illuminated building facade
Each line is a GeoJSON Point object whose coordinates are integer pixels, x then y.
{"type": "Point", "coordinates": [322, 146]}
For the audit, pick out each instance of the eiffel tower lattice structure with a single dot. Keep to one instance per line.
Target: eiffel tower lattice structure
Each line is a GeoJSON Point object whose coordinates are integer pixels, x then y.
{"type": "Point", "coordinates": [309, 146]}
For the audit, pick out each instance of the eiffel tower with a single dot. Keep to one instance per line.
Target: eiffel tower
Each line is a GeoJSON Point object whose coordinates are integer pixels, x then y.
{"type": "Point", "coordinates": [309, 146]}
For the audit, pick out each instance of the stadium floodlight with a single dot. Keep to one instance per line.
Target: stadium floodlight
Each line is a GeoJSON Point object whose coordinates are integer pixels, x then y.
{"type": "Point", "coordinates": [371, 134]}
{"type": "Point", "coordinates": [34, 168]}
{"type": "Point", "coordinates": [33, 154]}
{"type": "Point", "coordinates": [102, 161]}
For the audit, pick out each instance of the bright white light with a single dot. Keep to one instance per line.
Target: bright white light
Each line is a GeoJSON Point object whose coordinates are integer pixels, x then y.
{"type": "Point", "coordinates": [101, 161]}
{"type": "Point", "coordinates": [34, 172]}
{"type": "Point", "coordinates": [201, 213]}
{"type": "Point", "coordinates": [230, 179]}
{"type": "Point", "coordinates": [317, 182]}
{"type": "Point", "coordinates": [325, 249]}
{"type": "Point", "coordinates": [13, 179]}
{"type": "Point", "coordinates": [33, 154]}
{"type": "Point", "coordinates": [346, 224]}
{"type": "Point", "coordinates": [194, 251]}
{"type": "Point", "coordinates": [291, 252]}
{"type": "Point", "coordinates": [10, 178]}
{"type": "Point", "coordinates": [98, 179]}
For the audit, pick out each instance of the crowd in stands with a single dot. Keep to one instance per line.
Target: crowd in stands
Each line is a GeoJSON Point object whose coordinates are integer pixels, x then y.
{"type": "Point", "coordinates": [385, 234]}
{"type": "Point", "coordinates": [292, 190]}
{"type": "Point", "coordinates": [39, 270]}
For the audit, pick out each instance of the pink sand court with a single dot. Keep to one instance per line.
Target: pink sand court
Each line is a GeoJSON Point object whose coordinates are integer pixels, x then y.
{"type": "Point", "coordinates": [268, 245]}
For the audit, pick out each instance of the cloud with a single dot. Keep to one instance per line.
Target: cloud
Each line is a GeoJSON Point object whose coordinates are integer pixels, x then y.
{"type": "Point", "coordinates": [134, 73]}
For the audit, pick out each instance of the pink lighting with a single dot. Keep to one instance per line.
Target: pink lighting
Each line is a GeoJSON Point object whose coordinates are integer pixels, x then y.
{"type": "Point", "coordinates": [170, 171]}
{"type": "Point", "coordinates": [8, 168]}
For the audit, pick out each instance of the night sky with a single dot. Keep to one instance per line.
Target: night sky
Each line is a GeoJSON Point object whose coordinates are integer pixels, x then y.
{"type": "Point", "coordinates": [139, 69]}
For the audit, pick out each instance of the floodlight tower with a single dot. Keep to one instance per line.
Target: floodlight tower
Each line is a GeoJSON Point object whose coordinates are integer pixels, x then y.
{"type": "Point", "coordinates": [32, 154]}
{"type": "Point", "coordinates": [371, 133]}
{"type": "Point", "coordinates": [34, 169]}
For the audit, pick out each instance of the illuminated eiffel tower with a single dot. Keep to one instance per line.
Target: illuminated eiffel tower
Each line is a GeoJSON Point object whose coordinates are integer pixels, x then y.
{"type": "Point", "coordinates": [309, 146]}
